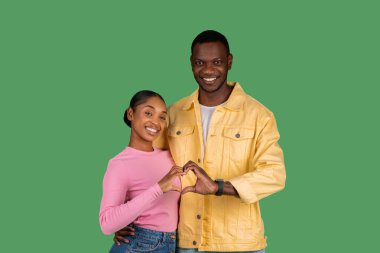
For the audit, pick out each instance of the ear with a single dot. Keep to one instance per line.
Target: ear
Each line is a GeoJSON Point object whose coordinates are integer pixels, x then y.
{"type": "Point", "coordinates": [130, 114]}
{"type": "Point", "coordinates": [229, 61]}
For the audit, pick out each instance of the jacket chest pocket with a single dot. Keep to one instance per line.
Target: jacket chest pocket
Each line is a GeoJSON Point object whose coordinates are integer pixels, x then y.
{"type": "Point", "coordinates": [237, 143]}
{"type": "Point", "coordinates": [180, 140]}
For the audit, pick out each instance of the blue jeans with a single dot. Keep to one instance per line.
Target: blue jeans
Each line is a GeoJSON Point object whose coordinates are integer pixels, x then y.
{"type": "Point", "coordinates": [182, 250]}
{"type": "Point", "coordinates": [146, 240]}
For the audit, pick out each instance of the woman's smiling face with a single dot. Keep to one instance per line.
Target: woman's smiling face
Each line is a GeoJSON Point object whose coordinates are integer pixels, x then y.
{"type": "Point", "coordinates": [148, 120]}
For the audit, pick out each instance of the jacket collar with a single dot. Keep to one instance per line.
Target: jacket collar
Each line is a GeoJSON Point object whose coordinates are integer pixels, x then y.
{"type": "Point", "coordinates": [235, 101]}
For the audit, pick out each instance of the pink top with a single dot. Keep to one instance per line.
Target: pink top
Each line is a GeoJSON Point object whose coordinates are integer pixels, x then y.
{"type": "Point", "coordinates": [131, 193]}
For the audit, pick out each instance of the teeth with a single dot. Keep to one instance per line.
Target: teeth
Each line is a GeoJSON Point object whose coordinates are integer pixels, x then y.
{"type": "Point", "coordinates": [151, 129]}
{"type": "Point", "coordinates": [209, 79]}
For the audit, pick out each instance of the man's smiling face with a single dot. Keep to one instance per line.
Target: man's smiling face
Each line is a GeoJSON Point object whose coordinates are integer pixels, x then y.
{"type": "Point", "coordinates": [210, 63]}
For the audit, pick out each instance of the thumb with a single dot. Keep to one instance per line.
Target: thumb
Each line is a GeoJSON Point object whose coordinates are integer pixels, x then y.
{"type": "Point", "coordinates": [176, 188]}
{"type": "Point", "coordinates": [188, 189]}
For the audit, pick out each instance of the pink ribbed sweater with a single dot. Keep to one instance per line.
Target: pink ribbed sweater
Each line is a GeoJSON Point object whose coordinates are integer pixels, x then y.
{"type": "Point", "coordinates": [131, 193]}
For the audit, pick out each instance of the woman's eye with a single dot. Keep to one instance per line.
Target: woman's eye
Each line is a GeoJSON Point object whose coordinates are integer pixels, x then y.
{"type": "Point", "coordinates": [163, 118]}
{"type": "Point", "coordinates": [149, 114]}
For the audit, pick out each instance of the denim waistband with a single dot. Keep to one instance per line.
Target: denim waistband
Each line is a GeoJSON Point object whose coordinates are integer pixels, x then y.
{"type": "Point", "coordinates": [149, 233]}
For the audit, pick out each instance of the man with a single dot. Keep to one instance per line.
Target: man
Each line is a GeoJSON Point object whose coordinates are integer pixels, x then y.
{"type": "Point", "coordinates": [229, 141]}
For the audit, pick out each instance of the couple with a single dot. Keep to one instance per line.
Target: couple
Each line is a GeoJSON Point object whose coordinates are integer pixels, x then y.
{"type": "Point", "coordinates": [229, 142]}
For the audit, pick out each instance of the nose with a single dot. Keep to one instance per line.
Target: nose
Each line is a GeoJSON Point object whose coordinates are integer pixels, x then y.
{"type": "Point", "coordinates": [208, 70]}
{"type": "Point", "coordinates": [155, 121]}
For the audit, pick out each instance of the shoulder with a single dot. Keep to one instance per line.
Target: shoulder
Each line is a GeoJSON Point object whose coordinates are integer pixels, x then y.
{"type": "Point", "coordinates": [258, 115]}
{"type": "Point", "coordinates": [247, 104]}
{"type": "Point", "coordinates": [182, 110]}
{"type": "Point", "coordinates": [119, 161]}
{"type": "Point", "coordinates": [180, 104]}
{"type": "Point", "coordinates": [253, 105]}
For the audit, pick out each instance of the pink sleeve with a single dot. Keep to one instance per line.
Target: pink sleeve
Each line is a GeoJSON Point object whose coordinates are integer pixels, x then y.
{"type": "Point", "coordinates": [114, 213]}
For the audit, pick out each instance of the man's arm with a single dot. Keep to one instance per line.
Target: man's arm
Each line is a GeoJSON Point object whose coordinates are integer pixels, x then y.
{"type": "Point", "coordinates": [268, 169]}
{"type": "Point", "coordinates": [267, 175]}
{"type": "Point", "coordinates": [119, 236]}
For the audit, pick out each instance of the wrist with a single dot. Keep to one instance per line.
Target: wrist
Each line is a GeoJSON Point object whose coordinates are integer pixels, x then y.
{"type": "Point", "coordinates": [220, 187]}
{"type": "Point", "coordinates": [161, 186]}
{"type": "Point", "coordinates": [215, 188]}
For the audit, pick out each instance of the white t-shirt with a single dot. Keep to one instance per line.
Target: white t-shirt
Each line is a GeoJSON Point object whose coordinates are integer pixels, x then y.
{"type": "Point", "coordinates": [206, 114]}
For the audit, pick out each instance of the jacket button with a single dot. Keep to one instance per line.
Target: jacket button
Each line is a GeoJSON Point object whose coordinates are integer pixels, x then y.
{"type": "Point", "coordinates": [178, 132]}
{"type": "Point", "coordinates": [237, 135]}
{"type": "Point", "coordinates": [199, 160]}
{"type": "Point", "coordinates": [199, 216]}
{"type": "Point", "coordinates": [194, 243]}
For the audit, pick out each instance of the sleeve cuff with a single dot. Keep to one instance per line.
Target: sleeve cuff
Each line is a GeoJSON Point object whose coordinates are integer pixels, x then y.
{"type": "Point", "coordinates": [156, 190]}
{"type": "Point", "coordinates": [244, 189]}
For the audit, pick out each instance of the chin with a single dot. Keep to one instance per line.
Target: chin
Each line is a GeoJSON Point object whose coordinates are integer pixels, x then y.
{"type": "Point", "coordinates": [211, 88]}
{"type": "Point", "coordinates": [151, 138]}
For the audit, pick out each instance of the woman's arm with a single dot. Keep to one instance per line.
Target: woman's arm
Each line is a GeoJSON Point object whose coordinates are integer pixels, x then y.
{"type": "Point", "coordinates": [114, 213]}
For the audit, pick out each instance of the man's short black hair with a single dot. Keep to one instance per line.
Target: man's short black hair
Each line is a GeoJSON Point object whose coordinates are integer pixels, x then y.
{"type": "Point", "coordinates": [210, 36]}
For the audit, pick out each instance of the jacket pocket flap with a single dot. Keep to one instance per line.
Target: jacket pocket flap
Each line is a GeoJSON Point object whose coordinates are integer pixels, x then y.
{"type": "Point", "coordinates": [238, 133]}
{"type": "Point", "coordinates": [178, 131]}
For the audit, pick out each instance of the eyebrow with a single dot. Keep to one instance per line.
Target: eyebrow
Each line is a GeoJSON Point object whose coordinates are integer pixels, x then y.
{"type": "Point", "coordinates": [154, 108]}
{"type": "Point", "coordinates": [213, 59]}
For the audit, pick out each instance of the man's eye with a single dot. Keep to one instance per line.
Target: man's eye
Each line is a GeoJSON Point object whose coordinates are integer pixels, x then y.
{"type": "Point", "coordinates": [218, 62]}
{"type": "Point", "coordinates": [198, 63]}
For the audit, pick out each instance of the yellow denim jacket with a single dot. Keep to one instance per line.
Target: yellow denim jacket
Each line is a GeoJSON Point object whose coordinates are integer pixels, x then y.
{"type": "Point", "coordinates": [241, 148]}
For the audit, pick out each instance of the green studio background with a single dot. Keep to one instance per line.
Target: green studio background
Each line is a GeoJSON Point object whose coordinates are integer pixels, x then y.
{"type": "Point", "coordinates": [69, 68]}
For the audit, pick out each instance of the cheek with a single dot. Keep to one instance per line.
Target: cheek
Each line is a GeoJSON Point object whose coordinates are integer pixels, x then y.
{"type": "Point", "coordinates": [196, 70]}
{"type": "Point", "coordinates": [140, 120]}
{"type": "Point", "coordinates": [223, 71]}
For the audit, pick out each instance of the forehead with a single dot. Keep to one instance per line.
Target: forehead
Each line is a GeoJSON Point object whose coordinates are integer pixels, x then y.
{"type": "Point", "coordinates": [155, 102]}
{"type": "Point", "coordinates": [209, 50]}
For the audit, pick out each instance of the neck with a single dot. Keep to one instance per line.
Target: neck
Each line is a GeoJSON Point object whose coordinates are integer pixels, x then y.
{"type": "Point", "coordinates": [215, 98]}
{"type": "Point", "coordinates": [145, 146]}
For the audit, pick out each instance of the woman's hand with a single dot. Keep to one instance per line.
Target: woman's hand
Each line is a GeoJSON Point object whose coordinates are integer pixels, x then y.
{"type": "Point", "coordinates": [166, 183]}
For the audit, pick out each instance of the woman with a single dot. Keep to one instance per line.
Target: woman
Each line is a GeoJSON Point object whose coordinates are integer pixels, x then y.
{"type": "Point", "coordinates": [142, 185]}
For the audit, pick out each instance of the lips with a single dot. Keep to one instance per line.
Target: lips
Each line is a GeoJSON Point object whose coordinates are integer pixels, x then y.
{"type": "Point", "coordinates": [208, 80]}
{"type": "Point", "coordinates": [152, 131]}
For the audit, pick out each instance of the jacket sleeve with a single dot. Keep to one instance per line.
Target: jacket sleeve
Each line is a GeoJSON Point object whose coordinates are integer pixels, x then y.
{"type": "Point", "coordinates": [266, 166]}
{"type": "Point", "coordinates": [115, 213]}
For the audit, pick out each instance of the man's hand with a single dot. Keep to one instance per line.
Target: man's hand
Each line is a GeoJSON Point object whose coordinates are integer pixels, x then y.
{"type": "Point", "coordinates": [119, 235]}
{"type": "Point", "coordinates": [204, 184]}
